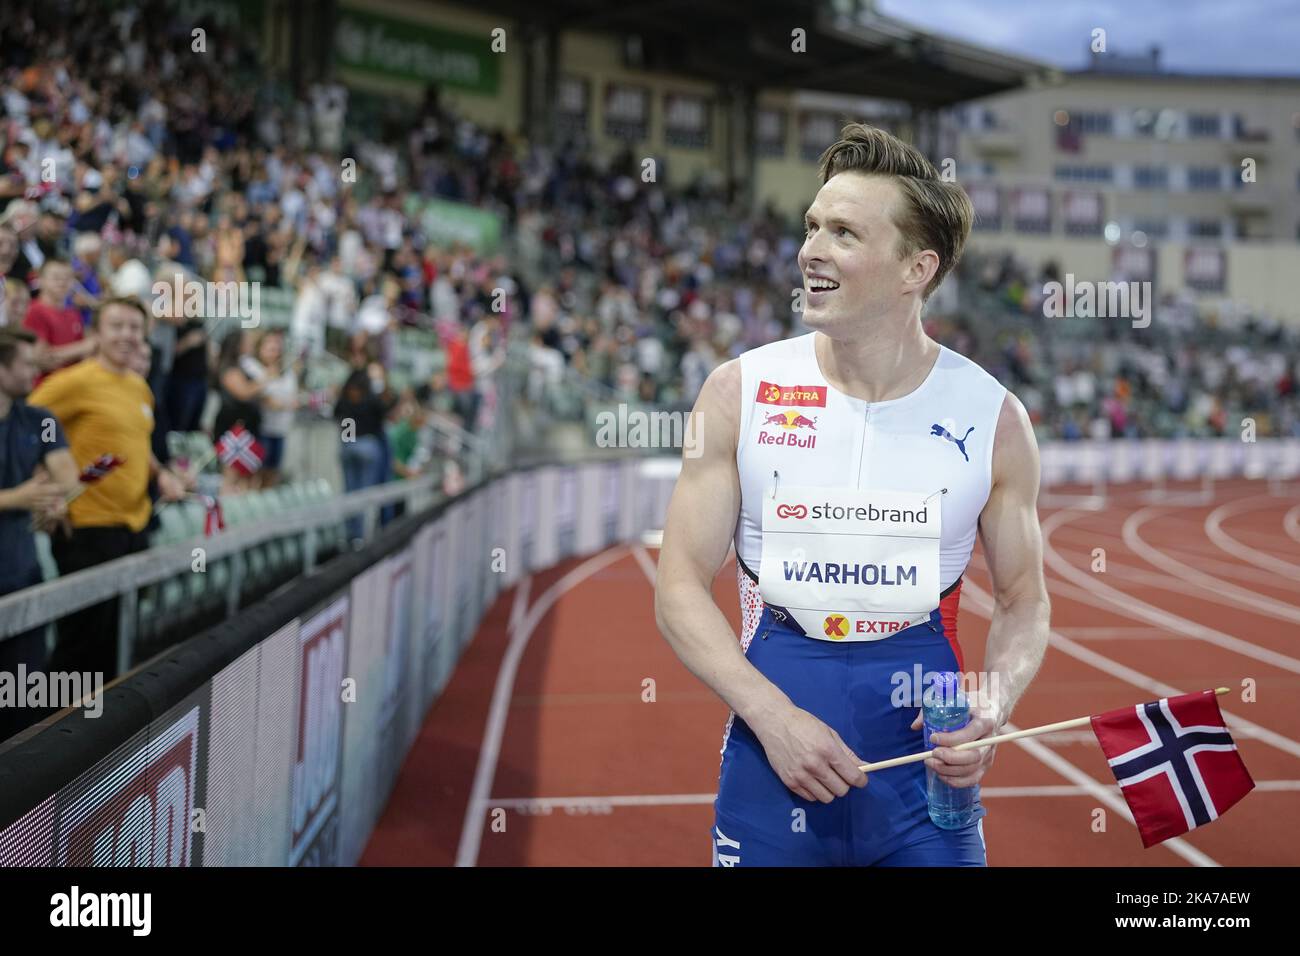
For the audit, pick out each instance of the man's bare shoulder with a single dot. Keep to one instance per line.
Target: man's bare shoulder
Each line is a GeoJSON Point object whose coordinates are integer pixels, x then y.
{"type": "Point", "coordinates": [1015, 447]}
{"type": "Point", "coordinates": [718, 407]}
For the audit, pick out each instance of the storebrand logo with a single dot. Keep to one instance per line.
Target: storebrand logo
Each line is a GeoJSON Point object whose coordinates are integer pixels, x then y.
{"type": "Point", "coordinates": [792, 511]}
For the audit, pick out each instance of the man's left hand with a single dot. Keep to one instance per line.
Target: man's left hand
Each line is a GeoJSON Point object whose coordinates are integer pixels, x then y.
{"type": "Point", "coordinates": [962, 768]}
{"type": "Point", "coordinates": [170, 486]}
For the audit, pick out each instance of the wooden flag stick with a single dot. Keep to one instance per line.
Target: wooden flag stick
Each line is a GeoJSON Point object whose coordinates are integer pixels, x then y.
{"type": "Point", "coordinates": [990, 741]}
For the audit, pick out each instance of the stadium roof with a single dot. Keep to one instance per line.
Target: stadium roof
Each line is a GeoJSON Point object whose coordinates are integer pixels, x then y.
{"type": "Point", "coordinates": [851, 48]}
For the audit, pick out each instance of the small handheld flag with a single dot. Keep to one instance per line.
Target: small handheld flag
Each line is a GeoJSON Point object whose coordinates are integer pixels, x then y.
{"type": "Point", "coordinates": [1175, 762]}
{"type": "Point", "coordinates": [213, 520]}
{"type": "Point", "coordinates": [238, 449]}
{"type": "Point", "coordinates": [98, 468]}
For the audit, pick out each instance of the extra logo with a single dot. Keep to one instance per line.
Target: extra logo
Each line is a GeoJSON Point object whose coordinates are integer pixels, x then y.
{"type": "Point", "coordinates": [798, 395]}
{"type": "Point", "coordinates": [792, 511]}
{"type": "Point", "coordinates": [940, 432]}
{"type": "Point", "coordinates": [836, 626]}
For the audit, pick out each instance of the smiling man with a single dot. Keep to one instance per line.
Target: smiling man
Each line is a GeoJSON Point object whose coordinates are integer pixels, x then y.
{"type": "Point", "coordinates": [862, 444]}
{"type": "Point", "coordinates": [106, 408]}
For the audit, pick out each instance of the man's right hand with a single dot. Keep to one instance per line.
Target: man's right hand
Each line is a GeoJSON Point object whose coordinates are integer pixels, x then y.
{"type": "Point", "coordinates": [808, 756]}
{"type": "Point", "coordinates": [37, 495]}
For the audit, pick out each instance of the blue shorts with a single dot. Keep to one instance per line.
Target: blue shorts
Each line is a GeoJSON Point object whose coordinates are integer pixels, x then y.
{"type": "Point", "coordinates": [848, 686]}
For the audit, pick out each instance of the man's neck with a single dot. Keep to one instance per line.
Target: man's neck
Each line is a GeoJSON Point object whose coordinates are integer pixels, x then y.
{"type": "Point", "coordinates": [883, 364]}
{"type": "Point", "coordinates": [111, 365]}
{"type": "Point", "coordinates": [6, 403]}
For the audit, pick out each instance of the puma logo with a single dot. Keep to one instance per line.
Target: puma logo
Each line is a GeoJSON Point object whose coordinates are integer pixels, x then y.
{"type": "Point", "coordinates": [941, 432]}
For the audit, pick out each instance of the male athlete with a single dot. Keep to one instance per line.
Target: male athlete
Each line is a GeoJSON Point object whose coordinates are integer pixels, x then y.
{"type": "Point", "coordinates": [852, 467]}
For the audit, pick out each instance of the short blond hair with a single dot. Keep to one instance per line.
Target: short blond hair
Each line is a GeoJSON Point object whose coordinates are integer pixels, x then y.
{"type": "Point", "coordinates": [935, 214]}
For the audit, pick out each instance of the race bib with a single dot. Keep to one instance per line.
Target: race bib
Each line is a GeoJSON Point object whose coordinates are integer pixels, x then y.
{"type": "Point", "coordinates": [848, 564]}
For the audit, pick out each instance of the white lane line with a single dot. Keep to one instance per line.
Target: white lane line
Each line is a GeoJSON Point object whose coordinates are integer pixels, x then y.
{"type": "Point", "coordinates": [1087, 540]}
{"type": "Point", "coordinates": [648, 566]}
{"type": "Point", "coordinates": [638, 800]}
{"type": "Point", "coordinates": [471, 832]}
{"type": "Point", "coordinates": [983, 602]}
{"type": "Point", "coordinates": [535, 804]}
{"type": "Point", "coordinates": [1246, 598]}
{"type": "Point", "coordinates": [520, 604]}
{"type": "Point", "coordinates": [1260, 559]}
{"type": "Point", "coordinates": [1136, 609]}
{"type": "Point", "coordinates": [1291, 523]}
{"type": "Point", "coordinates": [1118, 634]}
{"type": "Point", "coordinates": [1107, 794]}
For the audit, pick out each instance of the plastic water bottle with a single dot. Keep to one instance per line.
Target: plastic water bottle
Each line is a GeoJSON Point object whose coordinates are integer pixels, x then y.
{"type": "Point", "coordinates": [946, 709]}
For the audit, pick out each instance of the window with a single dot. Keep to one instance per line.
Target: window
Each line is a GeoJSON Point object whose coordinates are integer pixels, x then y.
{"type": "Point", "coordinates": [1092, 123]}
{"type": "Point", "coordinates": [1204, 125]}
{"type": "Point", "coordinates": [1204, 178]}
{"type": "Point", "coordinates": [1084, 174]}
{"type": "Point", "coordinates": [1154, 228]}
{"type": "Point", "coordinates": [1205, 228]}
{"type": "Point", "coordinates": [1151, 177]}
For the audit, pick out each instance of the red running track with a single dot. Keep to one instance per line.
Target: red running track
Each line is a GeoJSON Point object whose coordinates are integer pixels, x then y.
{"type": "Point", "coordinates": [572, 766]}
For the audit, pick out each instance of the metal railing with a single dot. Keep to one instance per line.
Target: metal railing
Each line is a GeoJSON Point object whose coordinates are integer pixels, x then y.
{"type": "Point", "coordinates": [126, 577]}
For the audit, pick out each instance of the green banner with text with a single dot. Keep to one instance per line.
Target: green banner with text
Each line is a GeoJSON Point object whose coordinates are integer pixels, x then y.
{"type": "Point", "coordinates": [402, 49]}
{"type": "Point", "coordinates": [448, 223]}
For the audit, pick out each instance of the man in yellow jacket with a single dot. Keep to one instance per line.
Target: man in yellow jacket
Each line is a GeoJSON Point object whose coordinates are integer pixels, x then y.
{"type": "Point", "coordinates": [105, 408]}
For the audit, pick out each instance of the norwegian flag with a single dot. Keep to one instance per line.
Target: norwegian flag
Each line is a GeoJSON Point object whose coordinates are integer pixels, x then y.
{"type": "Point", "coordinates": [213, 519]}
{"type": "Point", "coordinates": [98, 468]}
{"type": "Point", "coordinates": [1175, 762]}
{"type": "Point", "coordinates": [238, 449]}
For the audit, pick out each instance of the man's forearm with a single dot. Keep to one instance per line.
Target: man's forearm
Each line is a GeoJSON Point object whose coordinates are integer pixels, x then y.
{"type": "Point", "coordinates": [1016, 644]}
{"type": "Point", "coordinates": [703, 640]}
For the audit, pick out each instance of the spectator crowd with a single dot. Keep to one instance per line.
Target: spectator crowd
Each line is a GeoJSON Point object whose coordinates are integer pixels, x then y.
{"type": "Point", "coordinates": [128, 160]}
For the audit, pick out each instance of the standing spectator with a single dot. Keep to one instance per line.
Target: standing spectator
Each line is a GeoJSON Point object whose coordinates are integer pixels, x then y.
{"type": "Point", "coordinates": [279, 401]}
{"type": "Point", "coordinates": [187, 386]}
{"type": "Point", "coordinates": [14, 300]}
{"type": "Point", "coordinates": [360, 411]}
{"type": "Point", "coordinates": [106, 408]}
{"type": "Point", "coordinates": [241, 400]}
{"type": "Point", "coordinates": [8, 253]}
{"type": "Point", "coordinates": [36, 472]}
{"type": "Point", "coordinates": [61, 337]}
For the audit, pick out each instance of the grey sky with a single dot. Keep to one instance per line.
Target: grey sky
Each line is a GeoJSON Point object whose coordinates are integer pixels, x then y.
{"type": "Point", "coordinates": [1195, 36]}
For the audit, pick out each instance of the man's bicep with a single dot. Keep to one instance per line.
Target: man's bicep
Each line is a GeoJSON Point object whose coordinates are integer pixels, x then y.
{"type": "Point", "coordinates": [706, 499]}
{"type": "Point", "coordinates": [1009, 526]}
{"type": "Point", "coordinates": [62, 467]}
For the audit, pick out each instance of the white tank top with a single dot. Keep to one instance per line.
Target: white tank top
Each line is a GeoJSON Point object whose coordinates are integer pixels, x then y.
{"type": "Point", "coordinates": [793, 423]}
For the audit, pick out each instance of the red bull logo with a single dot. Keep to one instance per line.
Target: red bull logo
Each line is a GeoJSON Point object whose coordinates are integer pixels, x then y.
{"type": "Point", "coordinates": [791, 424]}
{"type": "Point", "coordinates": [799, 395]}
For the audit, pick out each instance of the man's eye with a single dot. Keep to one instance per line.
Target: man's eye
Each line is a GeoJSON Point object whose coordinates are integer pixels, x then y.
{"type": "Point", "coordinates": [843, 231]}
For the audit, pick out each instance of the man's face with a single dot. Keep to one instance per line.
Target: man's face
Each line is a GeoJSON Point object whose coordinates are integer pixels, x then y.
{"type": "Point", "coordinates": [55, 281]}
{"type": "Point", "coordinates": [8, 249]}
{"type": "Point", "coordinates": [121, 333]}
{"type": "Point", "coordinates": [852, 241]}
{"type": "Point", "coordinates": [17, 378]}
